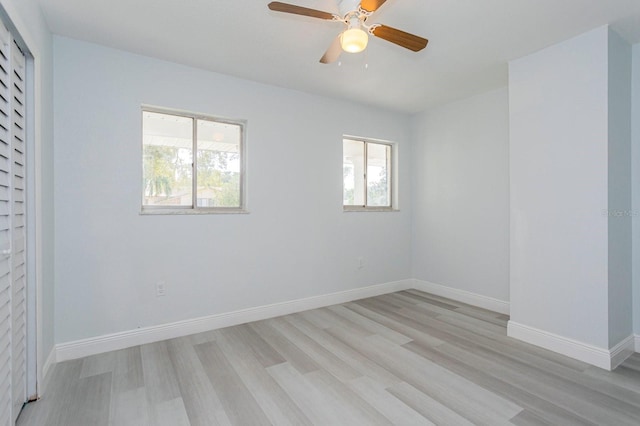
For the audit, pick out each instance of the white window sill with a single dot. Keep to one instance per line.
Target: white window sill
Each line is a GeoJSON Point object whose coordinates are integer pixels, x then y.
{"type": "Point", "coordinates": [351, 209]}
{"type": "Point", "coordinates": [180, 212]}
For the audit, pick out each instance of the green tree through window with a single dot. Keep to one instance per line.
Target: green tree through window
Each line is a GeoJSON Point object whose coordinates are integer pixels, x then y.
{"type": "Point", "coordinates": [169, 143]}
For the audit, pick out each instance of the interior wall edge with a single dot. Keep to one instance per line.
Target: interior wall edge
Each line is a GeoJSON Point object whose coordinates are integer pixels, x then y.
{"type": "Point", "coordinates": [47, 367]}
{"type": "Point", "coordinates": [635, 177]}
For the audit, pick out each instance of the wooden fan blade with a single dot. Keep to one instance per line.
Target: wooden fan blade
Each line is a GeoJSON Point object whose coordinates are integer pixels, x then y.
{"type": "Point", "coordinates": [371, 5]}
{"type": "Point", "coordinates": [333, 52]}
{"type": "Point", "coordinates": [401, 38]}
{"type": "Point", "coordinates": [299, 10]}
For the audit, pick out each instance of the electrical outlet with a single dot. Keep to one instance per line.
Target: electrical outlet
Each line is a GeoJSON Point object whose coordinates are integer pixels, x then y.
{"type": "Point", "coordinates": [160, 289]}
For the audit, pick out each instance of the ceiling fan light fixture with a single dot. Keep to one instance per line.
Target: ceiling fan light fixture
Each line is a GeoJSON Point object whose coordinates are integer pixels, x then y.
{"type": "Point", "coordinates": [354, 14]}
{"type": "Point", "coordinates": [354, 40]}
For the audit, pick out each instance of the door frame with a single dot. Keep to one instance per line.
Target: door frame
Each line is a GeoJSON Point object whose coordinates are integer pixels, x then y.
{"type": "Point", "coordinates": [31, 234]}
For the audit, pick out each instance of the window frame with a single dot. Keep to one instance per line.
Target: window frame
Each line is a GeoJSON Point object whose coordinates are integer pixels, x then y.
{"type": "Point", "coordinates": [194, 209]}
{"type": "Point", "coordinates": [391, 175]}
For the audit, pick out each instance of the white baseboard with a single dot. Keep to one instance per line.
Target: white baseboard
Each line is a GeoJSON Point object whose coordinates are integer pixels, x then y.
{"type": "Point", "coordinates": [463, 296]}
{"type": "Point", "coordinates": [607, 359]}
{"type": "Point", "coordinates": [620, 352]}
{"type": "Point", "coordinates": [126, 339]}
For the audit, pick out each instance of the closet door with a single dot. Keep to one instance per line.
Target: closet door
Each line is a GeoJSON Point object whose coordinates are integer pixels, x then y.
{"type": "Point", "coordinates": [6, 391]}
{"type": "Point", "coordinates": [18, 237]}
{"type": "Point", "coordinates": [12, 230]}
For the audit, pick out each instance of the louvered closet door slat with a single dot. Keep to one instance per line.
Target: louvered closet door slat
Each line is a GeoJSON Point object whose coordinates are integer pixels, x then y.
{"type": "Point", "coordinates": [5, 408]}
{"type": "Point", "coordinates": [4, 367]}
{"type": "Point", "coordinates": [18, 182]}
{"type": "Point", "coordinates": [18, 157]}
{"type": "Point", "coordinates": [18, 281]}
{"type": "Point", "coordinates": [4, 203]}
{"type": "Point", "coordinates": [4, 178]}
{"type": "Point", "coordinates": [4, 147]}
{"type": "Point", "coordinates": [4, 116]}
{"type": "Point", "coordinates": [5, 339]}
{"type": "Point", "coordinates": [6, 335]}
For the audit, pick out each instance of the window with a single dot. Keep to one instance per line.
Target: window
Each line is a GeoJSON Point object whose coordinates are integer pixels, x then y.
{"type": "Point", "coordinates": [191, 163]}
{"type": "Point", "coordinates": [366, 175]}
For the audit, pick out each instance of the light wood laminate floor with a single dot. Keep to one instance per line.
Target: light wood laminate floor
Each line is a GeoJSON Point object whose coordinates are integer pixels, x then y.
{"type": "Point", "coordinates": [407, 358]}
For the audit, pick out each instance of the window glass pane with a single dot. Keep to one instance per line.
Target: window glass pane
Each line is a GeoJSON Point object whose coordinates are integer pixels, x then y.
{"type": "Point", "coordinates": [219, 164]}
{"type": "Point", "coordinates": [353, 173]}
{"type": "Point", "coordinates": [167, 156]}
{"type": "Point", "coordinates": [378, 182]}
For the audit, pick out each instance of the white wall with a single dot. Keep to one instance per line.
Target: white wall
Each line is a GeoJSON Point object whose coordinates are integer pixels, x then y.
{"type": "Point", "coordinates": [635, 123]}
{"type": "Point", "coordinates": [296, 242]}
{"type": "Point", "coordinates": [30, 24]}
{"type": "Point", "coordinates": [560, 193]}
{"type": "Point", "coordinates": [559, 241]}
{"type": "Point", "coordinates": [619, 183]}
{"type": "Point", "coordinates": [461, 195]}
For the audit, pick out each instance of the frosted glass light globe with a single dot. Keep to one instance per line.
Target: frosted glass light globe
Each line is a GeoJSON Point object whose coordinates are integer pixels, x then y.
{"type": "Point", "coordinates": [354, 40]}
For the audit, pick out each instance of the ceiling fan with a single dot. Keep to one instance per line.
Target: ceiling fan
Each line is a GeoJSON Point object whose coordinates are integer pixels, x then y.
{"type": "Point", "coordinates": [355, 38]}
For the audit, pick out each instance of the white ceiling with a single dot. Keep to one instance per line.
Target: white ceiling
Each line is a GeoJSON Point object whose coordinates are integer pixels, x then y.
{"type": "Point", "coordinates": [470, 41]}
